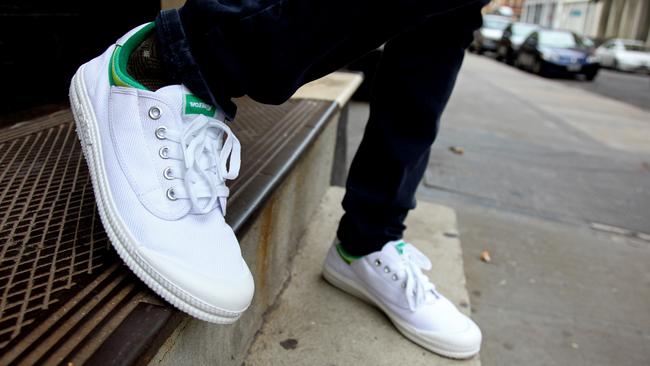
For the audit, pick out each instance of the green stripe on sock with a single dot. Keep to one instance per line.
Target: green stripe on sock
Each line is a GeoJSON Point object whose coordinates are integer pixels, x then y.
{"type": "Point", "coordinates": [348, 258]}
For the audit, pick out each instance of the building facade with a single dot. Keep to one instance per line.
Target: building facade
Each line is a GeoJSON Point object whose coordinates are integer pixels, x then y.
{"type": "Point", "coordinates": [540, 12]}
{"type": "Point", "coordinates": [515, 5]}
{"type": "Point", "coordinates": [595, 18]}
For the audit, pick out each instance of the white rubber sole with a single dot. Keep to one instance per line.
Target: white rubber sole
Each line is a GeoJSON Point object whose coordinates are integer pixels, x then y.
{"type": "Point", "coordinates": [120, 238]}
{"type": "Point", "coordinates": [347, 285]}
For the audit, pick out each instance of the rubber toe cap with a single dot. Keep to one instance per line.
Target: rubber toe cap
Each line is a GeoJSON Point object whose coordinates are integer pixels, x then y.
{"type": "Point", "coordinates": [230, 295]}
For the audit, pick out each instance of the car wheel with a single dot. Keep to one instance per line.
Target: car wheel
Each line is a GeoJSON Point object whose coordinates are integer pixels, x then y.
{"type": "Point", "coordinates": [502, 54]}
{"type": "Point", "coordinates": [511, 57]}
{"type": "Point", "coordinates": [538, 68]}
{"type": "Point", "coordinates": [518, 63]}
{"type": "Point", "coordinates": [591, 76]}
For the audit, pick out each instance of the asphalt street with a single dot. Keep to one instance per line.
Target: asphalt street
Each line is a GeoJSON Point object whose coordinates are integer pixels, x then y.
{"type": "Point", "coordinates": [626, 87]}
{"type": "Point", "coordinates": [553, 181]}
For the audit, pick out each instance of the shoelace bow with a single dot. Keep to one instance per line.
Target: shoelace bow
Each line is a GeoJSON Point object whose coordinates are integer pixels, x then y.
{"type": "Point", "coordinates": [417, 283]}
{"type": "Point", "coordinates": [209, 160]}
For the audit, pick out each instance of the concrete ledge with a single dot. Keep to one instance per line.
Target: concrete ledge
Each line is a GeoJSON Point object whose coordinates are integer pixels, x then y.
{"type": "Point", "coordinates": [267, 243]}
{"type": "Point", "coordinates": [329, 327]}
{"type": "Point", "coordinates": [269, 240]}
{"type": "Point", "coordinates": [336, 87]}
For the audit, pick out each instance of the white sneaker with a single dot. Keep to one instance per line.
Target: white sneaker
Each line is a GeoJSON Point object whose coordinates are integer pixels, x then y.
{"type": "Point", "coordinates": [392, 280]}
{"type": "Point", "coordinates": [158, 162]}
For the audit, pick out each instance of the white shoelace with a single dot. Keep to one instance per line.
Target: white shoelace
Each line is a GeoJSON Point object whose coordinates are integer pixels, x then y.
{"type": "Point", "coordinates": [208, 161]}
{"type": "Point", "coordinates": [417, 283]}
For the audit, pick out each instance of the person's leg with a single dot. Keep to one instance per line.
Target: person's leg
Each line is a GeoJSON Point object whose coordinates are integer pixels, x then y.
{"type": "Point", "coordinates": [152, 146]}
{"type": "Point", "coordinates": [415, 79]}
{"type": "Point", "coordinates": [267, 49]}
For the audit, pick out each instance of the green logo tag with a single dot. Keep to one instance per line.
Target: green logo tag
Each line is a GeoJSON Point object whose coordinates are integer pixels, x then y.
{"type": "Point", "coordinates": [400, 247]}
{"type": "Point", "coordinates": [194, 105]}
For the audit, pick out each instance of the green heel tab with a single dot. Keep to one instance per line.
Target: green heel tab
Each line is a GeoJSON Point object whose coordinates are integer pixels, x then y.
{"type": "Point", "coordinates": [117, 71]}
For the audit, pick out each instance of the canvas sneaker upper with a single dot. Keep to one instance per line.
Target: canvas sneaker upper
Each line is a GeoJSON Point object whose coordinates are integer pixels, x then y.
{"type": "Point", "coordinates": [160, 161]}
{"type": "Point", "coordinates": [393, 280]}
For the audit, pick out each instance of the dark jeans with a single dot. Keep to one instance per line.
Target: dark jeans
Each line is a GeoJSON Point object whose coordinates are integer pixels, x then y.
{"type": "Point", "coordinates": [269, 48]}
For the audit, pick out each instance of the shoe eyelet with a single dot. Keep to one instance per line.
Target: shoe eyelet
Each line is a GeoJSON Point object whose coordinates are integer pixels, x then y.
{"type": "Point", "coordinates": [386, 269]}
{"type": "Point", "coordinates": [395, 278]}
{"type": "Point", "coordinates": [160, 132]}
{"type": "Point", "coordinates": [154, 113]}
{"type": "Point", "coordinates": [171, 195]}
{"type": "Point", "coordinates": [377, 263]}
{"type": "Point", "coordinates": [167, 173]}
{"type": "Point", "coordinates": [164, 152]}
{"type": "Point", "coordinates": [403, 285]}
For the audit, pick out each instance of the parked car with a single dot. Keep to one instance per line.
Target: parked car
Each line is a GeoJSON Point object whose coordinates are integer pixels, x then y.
{"type": "Point", "coordinates": [589, 42]}
{"type": "Point", "coordinates": [513, 36]}
{"type": "Point", "coordinates": [624, 55]}
{"type": "Point", "coordinates": [550, 52]}
{"type": "Point", "coordinates": [487, 38]}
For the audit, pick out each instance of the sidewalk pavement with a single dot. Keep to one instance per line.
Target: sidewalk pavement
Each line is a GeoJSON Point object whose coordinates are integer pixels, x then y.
{"type": "Point", "coordinates": [315, 324]}
{"type": "Point", "coordinates": [544, 165]}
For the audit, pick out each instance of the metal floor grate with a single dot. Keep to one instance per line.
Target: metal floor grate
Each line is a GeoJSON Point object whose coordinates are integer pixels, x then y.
{"type": "Point", "coordinates": [53, 239]}
{"type": "Point", "coordinates": [55, 256]}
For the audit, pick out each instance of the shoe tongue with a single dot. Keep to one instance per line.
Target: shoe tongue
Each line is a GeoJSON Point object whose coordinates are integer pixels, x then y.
{"type": "Point", "coordinates": [187, 104]}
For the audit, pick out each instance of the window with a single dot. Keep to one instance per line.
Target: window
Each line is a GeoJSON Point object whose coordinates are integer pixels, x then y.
{"type": "Point", "coordinates": [635, 47]}
{"type": "Point", "coordinates": [494, 23]}
{"type": "Point", "coordinates": [609, 45]}
{"type": "Point", "coordinates": [558, 39]}
{"type": "Point", "coordinates": [523, 29]}
{"type": "Point", "coordinates": [537, 13]}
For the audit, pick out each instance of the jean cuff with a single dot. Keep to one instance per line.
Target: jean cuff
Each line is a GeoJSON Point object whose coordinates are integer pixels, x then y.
{"type": "Point", "coordinates": [180, 62]}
